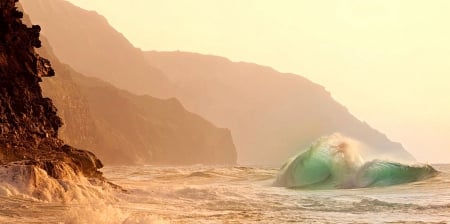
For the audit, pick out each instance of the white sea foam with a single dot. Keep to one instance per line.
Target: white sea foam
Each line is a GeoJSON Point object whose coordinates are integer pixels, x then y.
{"type": "Point", "coordinates": [102, 213]}
{"type": "Point", "coordinates": [205, 194]}
{"type": "Point", "coordinates": [29, 181]}
{"type": "Point", "coordinates": [75, 198]}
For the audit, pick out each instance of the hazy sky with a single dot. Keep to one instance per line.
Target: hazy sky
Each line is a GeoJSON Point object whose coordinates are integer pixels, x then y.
{"type": "Point", "coordinates": [388, 61]}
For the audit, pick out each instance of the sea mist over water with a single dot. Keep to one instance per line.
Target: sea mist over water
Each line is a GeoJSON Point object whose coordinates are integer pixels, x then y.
{"type": "Point", "coordinates": [242, 194]}
{"type": "Point", "coordinates": [218, 194]}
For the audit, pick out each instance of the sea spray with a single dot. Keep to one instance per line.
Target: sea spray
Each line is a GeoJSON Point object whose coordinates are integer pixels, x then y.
{"type": "Point", "coordinates": [336, 161]}
{"type": "Point", "coordinates": [103, 213]}
{"type": "Point", "coordinates": [22, 181]}
{"type": "Point", "coordinates": [73, 197]}
{"type": "Point", "coordinates": [34, 182]}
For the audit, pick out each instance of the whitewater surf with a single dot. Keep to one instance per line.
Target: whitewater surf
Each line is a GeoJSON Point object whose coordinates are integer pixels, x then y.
{"type": "Point", "coordinates": [336, 161]}
{"type": "Point", "coordinates": [212, 194]}
{"type": "Point", "coordinates": [344, 182]}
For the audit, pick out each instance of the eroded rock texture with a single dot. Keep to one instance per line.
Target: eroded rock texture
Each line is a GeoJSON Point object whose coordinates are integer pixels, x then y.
{"type": "Point", "coordinates": [28, 121]}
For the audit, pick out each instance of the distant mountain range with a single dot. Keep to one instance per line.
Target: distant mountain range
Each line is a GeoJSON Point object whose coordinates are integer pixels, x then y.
{"type": "Point", "coordinates": [271, 115]}
{"type": "Point", "coordinates": [124, 128]}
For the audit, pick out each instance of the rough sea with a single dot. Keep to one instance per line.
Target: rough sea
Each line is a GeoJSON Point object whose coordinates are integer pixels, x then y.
{"type": "Point", "coordinates": [204, 194]}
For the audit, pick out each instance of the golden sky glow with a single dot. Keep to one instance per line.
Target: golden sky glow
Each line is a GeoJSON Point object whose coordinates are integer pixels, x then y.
{"type": "Point", "coordinates": [388, 61]}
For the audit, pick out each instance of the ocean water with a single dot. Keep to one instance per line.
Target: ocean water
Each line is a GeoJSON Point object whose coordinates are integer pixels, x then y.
{"type": "Point", "coordinates": [336, 161]}
{"type": "Point", "coordinates": [205, 194]}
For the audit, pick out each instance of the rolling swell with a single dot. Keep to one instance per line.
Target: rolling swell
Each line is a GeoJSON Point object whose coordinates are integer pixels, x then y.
{"type": "Point", "coordinates": [383, 173]}
{"type": "Point", "coordinates": [335, 162]}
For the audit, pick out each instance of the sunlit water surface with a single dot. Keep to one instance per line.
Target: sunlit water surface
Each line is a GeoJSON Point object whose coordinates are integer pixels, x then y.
{"type": "Point", "coordinates": [201, 194]}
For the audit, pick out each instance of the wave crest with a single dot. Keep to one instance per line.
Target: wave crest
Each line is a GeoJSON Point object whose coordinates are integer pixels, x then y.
{"type": "Point", "coordinates": [336, 162]}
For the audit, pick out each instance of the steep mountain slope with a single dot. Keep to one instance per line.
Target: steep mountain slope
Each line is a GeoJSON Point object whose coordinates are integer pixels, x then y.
{"type": "Point", "coordinates": [153, 131]}
{"type": "Point", "coordinates": [107, 55]}
{"type": "Point", "coordinates": [270, 114]}
{"type": "Point", "coordinates": [79, 128]}
{"type": "Point", "coordinates": [123, 128]}
{"type": "Point", "coordinates": [120, 127]}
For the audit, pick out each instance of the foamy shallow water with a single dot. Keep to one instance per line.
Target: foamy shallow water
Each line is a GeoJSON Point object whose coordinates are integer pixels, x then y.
{"type": "Point", "coordinates": [202, 194]}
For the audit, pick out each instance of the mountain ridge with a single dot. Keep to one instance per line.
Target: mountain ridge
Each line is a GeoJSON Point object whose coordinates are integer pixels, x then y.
{"type": "Point", "coordinates": [109, 56]}
{"type": "Point", "coordinates": [271, 115]}
{"type": "Point", "coordinates": [116, 125]}
{"type": "Point", "coordinates": [272, 97]}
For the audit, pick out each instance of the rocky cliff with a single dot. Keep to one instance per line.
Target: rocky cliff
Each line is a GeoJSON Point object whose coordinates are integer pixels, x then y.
{"type": "Point", "coordinates": [28, 122]}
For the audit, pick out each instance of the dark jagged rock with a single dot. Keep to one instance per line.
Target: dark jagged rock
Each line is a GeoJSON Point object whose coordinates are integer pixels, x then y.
{"type": "Point", "coordinates": [28, 122]}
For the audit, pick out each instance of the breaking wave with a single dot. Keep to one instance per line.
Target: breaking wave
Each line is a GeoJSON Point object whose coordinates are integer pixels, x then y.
{"type": "Point", "coordinates": [335, 162]}
{"type": "Point", "coordinates": [29, 181]}
{"type": "Point", "coordinates": [70, 198]}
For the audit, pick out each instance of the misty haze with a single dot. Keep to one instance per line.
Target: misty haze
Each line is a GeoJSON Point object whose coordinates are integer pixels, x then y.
{"type": "Point", "coordinates": [215, 111]}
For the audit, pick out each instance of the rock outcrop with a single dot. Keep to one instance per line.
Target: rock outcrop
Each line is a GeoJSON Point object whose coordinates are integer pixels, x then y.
{"type": "Point", "coordinates": [29, 122]}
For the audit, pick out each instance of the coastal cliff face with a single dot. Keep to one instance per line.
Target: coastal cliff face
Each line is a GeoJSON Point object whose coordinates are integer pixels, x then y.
{"type": "Point", "coordinates": [111, 57]}
{"type": "Point", "coordinates": [28, 122]}
{"type": "Point", "coordinates": [123, 128]}
{"type": "Point", "coordinates": [146, 130]}
{"type": "Point", "coordinates": [79, 129]}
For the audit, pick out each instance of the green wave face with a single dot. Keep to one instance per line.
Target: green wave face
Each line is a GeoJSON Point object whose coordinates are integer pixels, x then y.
{"type": "Point", "coordinates": [382, 173]}
{"type": "Point", "coordinates": [332, 162]}
{"type": "Point", "coordinates": [310, 168]}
